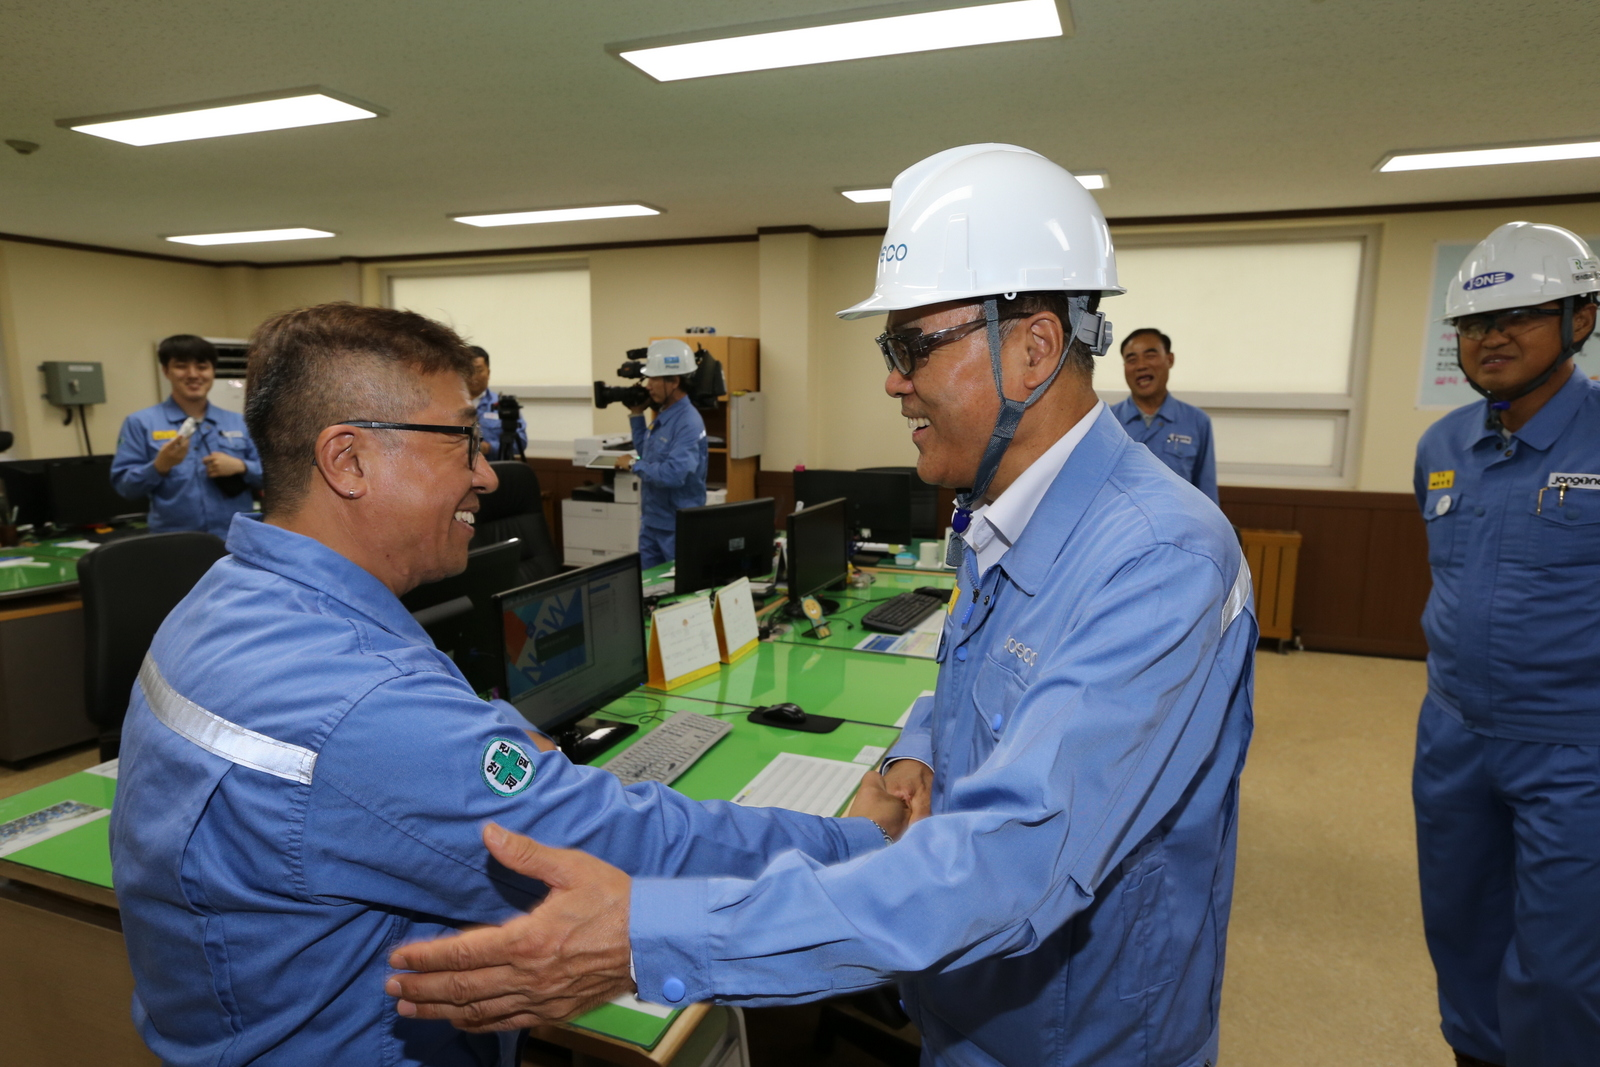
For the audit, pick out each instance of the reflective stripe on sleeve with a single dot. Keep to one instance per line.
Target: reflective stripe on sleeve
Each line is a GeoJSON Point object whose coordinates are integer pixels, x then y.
{"type": "Point", "coordinates": [219, 736]}
{"type": "Point", "coordinates": [1238, 596]}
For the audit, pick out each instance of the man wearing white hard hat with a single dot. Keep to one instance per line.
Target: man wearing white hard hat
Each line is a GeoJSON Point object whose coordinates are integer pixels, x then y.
{"type": "Point", "coordinates": [1507, 776]}
{"type": "Point", "coordinates": [1062, 896]}
{"type": "Point", "coordinates": [672, 451]}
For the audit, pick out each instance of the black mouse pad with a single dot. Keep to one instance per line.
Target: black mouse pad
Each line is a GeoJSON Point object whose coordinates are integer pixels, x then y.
{"type": "Point", "coordinates": [814, 724]}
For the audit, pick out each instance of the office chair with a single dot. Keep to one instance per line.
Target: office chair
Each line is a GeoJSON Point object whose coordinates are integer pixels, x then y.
{"type": "Point", "coordinates": [924, 502]}
{"type": "Point", "coordinates": [128, 588]}
{"type": "Point", "coordinates": [516, 509]}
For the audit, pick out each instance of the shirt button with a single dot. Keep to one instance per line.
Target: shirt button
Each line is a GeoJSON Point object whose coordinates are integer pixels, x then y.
{"type": "Point", "coordinates": [673, 989]}
{"type": "Point", "coordinates": [1477, 511]}
{"type": "Point", "coordinates": [1508, 452]}
{"type": "Point", "coordinates": [986, 601]}
{"type": "Point", "coordinates": [997, 721]}
{"type": "Point", "coordinates": [961, 653]}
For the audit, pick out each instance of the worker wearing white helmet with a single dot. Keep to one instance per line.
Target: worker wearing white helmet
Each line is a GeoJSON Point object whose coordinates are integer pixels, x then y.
{"type": "Point", "coordinates": [672, 450]}
{"type": "Point", "coordinates": [1063, 896]}
{"type": "Point", "coordinates": [1507, 776]}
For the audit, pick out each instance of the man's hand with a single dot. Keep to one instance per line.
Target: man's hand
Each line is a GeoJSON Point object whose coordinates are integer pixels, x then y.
{"type": "Point", "coordinates": [875, 802]}
{"type": "Point", "coordinates": [623, 463]}
{"type": "Point", "coordinates": [220, 465]}
{"type": "Point", "coordinates": [568, 954]}
{"type": "Point", "coordinates": [172, 453]}
{"type": "Point", "coordinates": [911, 781]}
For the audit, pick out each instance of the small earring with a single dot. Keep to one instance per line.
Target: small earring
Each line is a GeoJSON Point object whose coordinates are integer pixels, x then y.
{"type": "Point", "coordinates": [352, 492]}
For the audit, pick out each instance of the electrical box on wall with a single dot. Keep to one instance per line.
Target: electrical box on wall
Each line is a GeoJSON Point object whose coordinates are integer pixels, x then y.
{"type": "Point", "coordinates": [747, 425]}
{"type": "Point", "coordinates": [71, 383]}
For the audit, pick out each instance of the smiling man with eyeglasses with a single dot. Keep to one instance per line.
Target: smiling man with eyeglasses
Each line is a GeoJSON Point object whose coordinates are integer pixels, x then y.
{"type": "Point", "coordinates": [305, 779]}
{"type": "Point", "coordinates": [1507, 776]}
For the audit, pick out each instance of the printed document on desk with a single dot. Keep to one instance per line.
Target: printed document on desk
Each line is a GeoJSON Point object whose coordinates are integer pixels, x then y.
{"type": "Point", "coordinates": [808, 784]}
{"type": "Point", "coordinates": [683, 643]}
{"type": "Point", "coordinates": [922, 641]}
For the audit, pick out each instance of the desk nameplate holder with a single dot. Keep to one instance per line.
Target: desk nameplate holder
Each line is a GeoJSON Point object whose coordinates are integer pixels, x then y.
{"type": "Point", "coordinates": [737, 630]}
{"type": "Point", "coordinates": [683, 644]}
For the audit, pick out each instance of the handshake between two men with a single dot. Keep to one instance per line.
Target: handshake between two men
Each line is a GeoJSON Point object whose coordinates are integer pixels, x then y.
{"type": "Point", "coordinates": [571, 952]}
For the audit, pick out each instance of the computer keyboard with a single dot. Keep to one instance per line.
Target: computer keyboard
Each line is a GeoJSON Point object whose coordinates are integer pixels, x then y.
{"type": "Point", "coordinates": [669, 749]}
{"type": "Point", "coordinates": [901, 613]}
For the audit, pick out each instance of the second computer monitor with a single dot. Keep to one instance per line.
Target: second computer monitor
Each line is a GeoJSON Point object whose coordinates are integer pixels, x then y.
{"type": "Point", "coordinates": [879, 501]}
{"type": "Point", "coordinates": [819, 548]}
{"type": "Point", "coordinates": [574, 642]}
{"type": "Point", "coordinates": [720, 543]}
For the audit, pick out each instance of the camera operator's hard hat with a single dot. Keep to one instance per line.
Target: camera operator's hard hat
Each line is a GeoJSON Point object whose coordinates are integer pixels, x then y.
{"type": "Point", "coordinates": [667, 357]}
{"type": "Point", "coordinates": [984, 219]}
{"type": "Point", "coordinates": [1519, 265]}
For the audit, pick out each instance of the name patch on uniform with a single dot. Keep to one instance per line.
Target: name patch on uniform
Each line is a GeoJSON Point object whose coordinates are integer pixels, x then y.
{"type": "Point", "coordinates": [1574, 481]}
{"type": "Point", "coordinates": [506, 767]}
{"type": "Point", "coordinates": [1021, 651]}
{"type": "Point", "coordinates": [1441, 479]}
{"type": "Point", "coordinates": [163, 435]}
{"type": "Point", "coordinates": [1180, 438]}
{"type": "Point", "coordinates": [233, 433]}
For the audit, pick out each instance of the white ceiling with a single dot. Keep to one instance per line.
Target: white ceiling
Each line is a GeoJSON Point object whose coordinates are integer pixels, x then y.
{"type": "Point", "coordinates": [1194, 107]}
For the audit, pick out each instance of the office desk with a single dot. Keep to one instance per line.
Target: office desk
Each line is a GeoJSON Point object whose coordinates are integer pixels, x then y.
{"type": "Point", "coordinates": [41, 672]}
{"type": "Point", "coordinates": [855, 602]}
{"type": "Point", "coordinates": [40, 571]}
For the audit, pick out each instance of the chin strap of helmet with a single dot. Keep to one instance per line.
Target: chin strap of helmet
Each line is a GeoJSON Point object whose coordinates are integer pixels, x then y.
{"type": "Point", "coordinates": [1499, 403]}
{"type": "Point", "coordinates": [1090, 327]}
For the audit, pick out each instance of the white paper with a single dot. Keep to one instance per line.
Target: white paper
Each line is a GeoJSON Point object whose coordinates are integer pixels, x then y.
{"type": "Point", "coordinates": [22, 561]}
{"type": "Point", "coordinates": [918, 643]}
{"type": "Point", "coordinates": [108, 769]}
{"type": "Point", "coordinates": [49, 822]}
{"type": "Point", "coordinates": [633, 1003]}
{"type": "Point", "coordinates": [905, 716]}
{"type": "Point", "coordinates": [687, 632]}
{"type": "Point", "coordinates": [808, 784]}
{"type": "Point", "coordinates": [870, 755]}
{"type": "Point", "coordinates": [738, 609]}
{"type": "Point", "coordinates": [85, 545]}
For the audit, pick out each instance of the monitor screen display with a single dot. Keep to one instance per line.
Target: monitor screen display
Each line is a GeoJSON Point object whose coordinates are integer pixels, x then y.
{"type": "Point", "coordinates": [80, 493]}
{"type": "Point", "coordinates": [574, 642]}
{"type": "Point", "coordinates": [723, 542]}
{"type": "Point", "coordinates": [819, 548]}
{"type": "Point", "coordinates": [879, 501]}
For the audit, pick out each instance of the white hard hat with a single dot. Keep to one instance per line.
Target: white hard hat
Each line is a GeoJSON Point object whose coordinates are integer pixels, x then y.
{"type": "Point", "coordinates": [1519, 265]}
{"type": "Point", "coordinates": [667, 357]}
{"type": "Point", "coordinates": [985, 219]}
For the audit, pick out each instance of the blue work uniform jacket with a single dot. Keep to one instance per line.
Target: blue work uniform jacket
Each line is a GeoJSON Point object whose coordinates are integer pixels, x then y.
{"type": "Point", "coordinates": [671, 465]}
{"type": "Point", "coordinates": [1180, 436]}
{"type": "Point", "coordinates": [185, 498]}
{"type": "Point", "coordinates": [489, 424]}
{"type": "Point", "coordinates": [303, 785]}
{"type": "Point", "coordinates": [1067, 903]}
{"type": "Point", "coordinates": [1513, 621]}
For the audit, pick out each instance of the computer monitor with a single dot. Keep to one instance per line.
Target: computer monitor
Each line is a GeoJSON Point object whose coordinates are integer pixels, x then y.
{"type": "Point", "coordinates": [66, 491]}
{"type": "Point", "coordinates": [819, 549]}
{"type": "Point", "coordinates": [573, 643]}
{"type": "Point", "coordinates": [460, 614]}
{"type": "Point", "coordinates": [720, 543]}
{"type": "Point", "coordinates": [879, 501]}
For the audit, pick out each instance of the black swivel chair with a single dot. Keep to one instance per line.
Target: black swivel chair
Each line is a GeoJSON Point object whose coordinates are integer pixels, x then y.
{"type": "Point", "coordinates": [129, 587]}
{"type": "Point", "coordinates": [924, 502]}
{"type": "Point", "coordinates": [516, 509]}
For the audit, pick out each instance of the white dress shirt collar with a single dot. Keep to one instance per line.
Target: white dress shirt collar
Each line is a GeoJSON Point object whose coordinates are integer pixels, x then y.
{"type": "Point", "coordinates": [996, 526]}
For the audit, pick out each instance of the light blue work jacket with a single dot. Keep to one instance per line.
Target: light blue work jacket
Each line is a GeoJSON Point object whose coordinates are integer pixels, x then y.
{"type": "Point", "coordinates": [1180, 436]}
{"type": "Point", "coordinates": [671, 465]}
{"type": "Point", "coordinates": [185, 498]}
{"type": "Point", "coordinates": [489, 424]}
{"type": "Point", "coordinates": [304, 782]}
{"type": "Point", "coordinates": [1067, 904]}
{"type": "Point", "coordinates": [1513, 621]}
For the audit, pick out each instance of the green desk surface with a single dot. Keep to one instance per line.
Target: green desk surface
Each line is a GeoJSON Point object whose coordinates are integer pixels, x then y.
{"type": "Point", "coordinates": [856, 602]}
{"type": "Point", "coordinates": [44, 572]}
{"type": "Point", "coordinates": [83, 852]}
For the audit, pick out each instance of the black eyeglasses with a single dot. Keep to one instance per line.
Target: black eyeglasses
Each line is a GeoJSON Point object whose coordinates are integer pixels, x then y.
{"type": "Point", "coordinates": [474, 438]}
{"type": "Point", "coordinates": [907, 351]}
{"type": "Point", "coordinates": [1510, 322]}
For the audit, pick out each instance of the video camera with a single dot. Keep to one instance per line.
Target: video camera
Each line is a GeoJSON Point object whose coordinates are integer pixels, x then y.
{"type": "Point", "coordinates": [510, 412]}
{"type": "Point", "coordinates": [703, 386]}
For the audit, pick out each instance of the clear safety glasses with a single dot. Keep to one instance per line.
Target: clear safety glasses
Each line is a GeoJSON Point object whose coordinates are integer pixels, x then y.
{"type": "Point", "coordinates": [1510, 322]}
{"type": "Point", "coordinates": [907, 350]}
{"type": "Point", "coordinates": [474, 438]}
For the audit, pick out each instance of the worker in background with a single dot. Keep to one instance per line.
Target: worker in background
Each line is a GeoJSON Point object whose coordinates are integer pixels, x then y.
{"type": "Point", "coordinates": [1507, 776]}
{"type": "Point", "coordinates": [305, 778]}
{"type": "Point", "coordinates": [195, 461]}
{"type": "Point", "coordinates": [1178, 433]}
{"type": "Point", "coordinates": [672, 451]}
{"type": "Point", "coordinates": [488, 404]}
{"type": "Point", "coordinates": [1067, 901]}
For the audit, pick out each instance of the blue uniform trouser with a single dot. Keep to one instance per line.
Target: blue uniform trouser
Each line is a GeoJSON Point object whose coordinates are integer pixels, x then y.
{"type": "Point", "coordinates": [656, 546]}
{"type": "Point", "coordinates": [1508, 846]}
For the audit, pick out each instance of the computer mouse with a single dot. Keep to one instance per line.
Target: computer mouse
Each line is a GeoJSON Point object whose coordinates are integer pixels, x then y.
{"type": "Point", "coordinates": [788, 714]}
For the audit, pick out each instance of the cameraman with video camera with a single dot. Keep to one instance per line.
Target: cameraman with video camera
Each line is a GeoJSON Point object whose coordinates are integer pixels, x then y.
{"type": "Point", "coordinates": [672, 451]}
{"type": "Point", "coordinates": [492, 409]}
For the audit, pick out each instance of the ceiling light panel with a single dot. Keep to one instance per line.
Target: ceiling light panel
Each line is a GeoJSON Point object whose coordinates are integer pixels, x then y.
{"type": "Point", "coordinates": [244, 237]}
{"type": "Point", "coordinates": [224, 118]}
{"type": "Point", "coordinates": [1092, 179]}
{"type": "Point", "coordinates": [750, 48]}
{"type": "Point", "coordinates": [1489, 156]}
{"type": "Point", "coordinates": [560, 214]}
